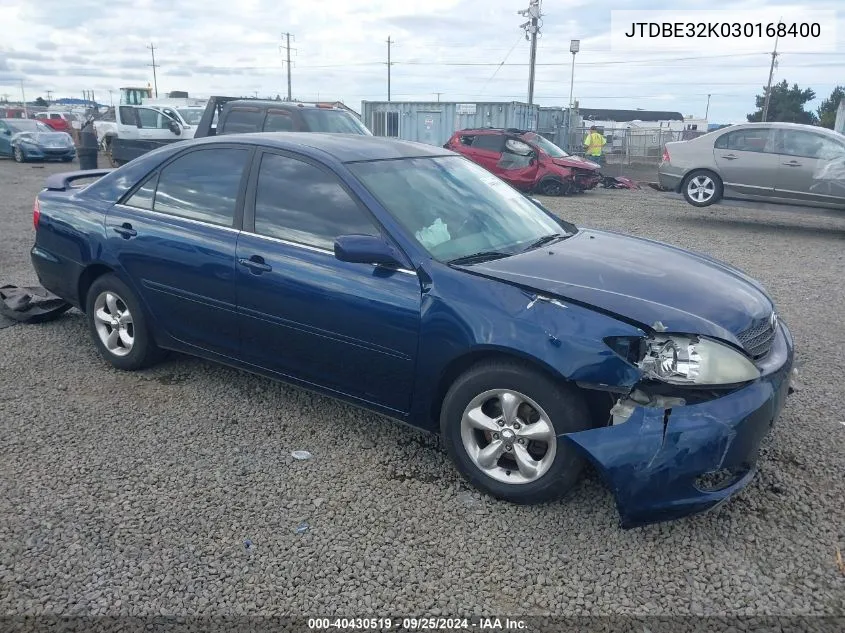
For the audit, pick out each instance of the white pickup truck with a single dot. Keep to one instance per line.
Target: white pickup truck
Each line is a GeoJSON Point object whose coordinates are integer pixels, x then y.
{"type": "Point", "coordinates": [141, 125]}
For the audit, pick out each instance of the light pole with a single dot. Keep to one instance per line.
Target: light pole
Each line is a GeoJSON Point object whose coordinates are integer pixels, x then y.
{"type": "Point", "coordinates": [574, 47]}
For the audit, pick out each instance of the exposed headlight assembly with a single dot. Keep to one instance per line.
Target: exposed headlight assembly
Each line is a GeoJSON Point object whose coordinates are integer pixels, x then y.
{"type": "Point", "coordinates": [692, 360]}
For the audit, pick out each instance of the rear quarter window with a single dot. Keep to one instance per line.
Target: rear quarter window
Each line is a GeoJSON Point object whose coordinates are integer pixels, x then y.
{"type": "Point", "coordinates": [242, 120]}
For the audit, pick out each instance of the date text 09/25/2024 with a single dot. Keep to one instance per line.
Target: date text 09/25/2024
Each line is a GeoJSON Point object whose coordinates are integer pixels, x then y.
{"type": "Point", "coordinates": [415, 624]}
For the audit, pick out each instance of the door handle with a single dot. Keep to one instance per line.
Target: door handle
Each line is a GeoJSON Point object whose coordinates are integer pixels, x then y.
{"type": "Point", "coordinates": [125, 230]}
{"type": "Point", "coordinates": [255, 264]}
{"type": "Point", "coordinates": [730, 156]}
{"type": "Point", "coordinates": [793, 164]}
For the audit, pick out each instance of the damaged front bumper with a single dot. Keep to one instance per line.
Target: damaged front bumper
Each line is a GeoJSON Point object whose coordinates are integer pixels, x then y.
{"type": "Point", "coordinates": [660, 463]}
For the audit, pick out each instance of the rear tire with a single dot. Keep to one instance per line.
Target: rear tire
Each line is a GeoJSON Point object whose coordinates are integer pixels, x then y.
{"type": "Point", "coordinates": [500, 423]}
{"type": "Point", "coordinates": [701, 188]}
{"type": "Point", "coordinates": [552, 187]}
{"type": "Point", "coordinates": [119, 326]}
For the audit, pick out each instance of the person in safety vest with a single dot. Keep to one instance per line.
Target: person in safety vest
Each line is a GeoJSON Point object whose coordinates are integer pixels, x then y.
{"type": "Point", "coordinates": [593, 144]}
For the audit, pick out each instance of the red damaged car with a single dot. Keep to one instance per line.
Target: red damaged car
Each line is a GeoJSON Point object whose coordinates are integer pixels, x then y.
{"type": "Point", "coordinates": [526, 160]}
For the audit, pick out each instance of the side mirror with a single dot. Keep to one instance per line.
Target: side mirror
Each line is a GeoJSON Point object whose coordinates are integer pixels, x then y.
{"type": "Point", "coordinates": [174, 127]}
{"type": "Point", "coordinates": [365, 249]}
{"type": "Point", "coordinates": [7, 132]}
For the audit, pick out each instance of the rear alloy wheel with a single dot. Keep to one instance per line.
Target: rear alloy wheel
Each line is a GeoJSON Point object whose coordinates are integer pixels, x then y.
{"type": "Point", "coordinates": [19, 155]}
{"type": "Point", "coordinates": [501, 423]}
{"type": "Point", "coordinates": [118, 325]}
{"type": "Point", "coordinates": [702, 188]}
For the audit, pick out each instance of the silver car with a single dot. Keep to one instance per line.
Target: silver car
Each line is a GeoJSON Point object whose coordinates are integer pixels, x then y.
{"type": "Point", "coordinates": [786, 162]}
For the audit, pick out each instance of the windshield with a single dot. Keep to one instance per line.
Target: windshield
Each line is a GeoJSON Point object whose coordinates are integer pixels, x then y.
{"type": "Point", "coordinates": [27, 125]}
{"type": "Point", "coordinates": [546, 145]}
{"type": "Point", "coordinates": [192, 116]}
{"type": "Point", "coordinates": [455, 208]}
{"type": "Point", "coordinates": [323, 120]}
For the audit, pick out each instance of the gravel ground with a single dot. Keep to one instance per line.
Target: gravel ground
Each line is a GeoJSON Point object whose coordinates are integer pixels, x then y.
{"type": "Point", "coordinates": [135, 493]}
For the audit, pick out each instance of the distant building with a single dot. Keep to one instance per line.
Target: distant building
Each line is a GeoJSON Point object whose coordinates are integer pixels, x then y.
{"type": "Point", "coordinates": [623, 119]}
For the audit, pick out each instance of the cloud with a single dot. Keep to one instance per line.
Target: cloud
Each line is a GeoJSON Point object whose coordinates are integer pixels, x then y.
{"type": "Point", "coordinates": [340, 51]}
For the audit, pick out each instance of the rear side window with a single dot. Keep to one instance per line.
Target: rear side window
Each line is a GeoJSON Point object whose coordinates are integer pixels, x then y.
{"type": "Point", "coordinates": [492, 142]}
{"type": "Point", "coordinates": [143, 197]}
{"type": "Point", "coordinates": [299, 202]}
{"type": "Point", "coordinates": [242, 120]}
{"type": "Point", "coordinates": [748, 140]}
{"type": "Point", "coordinates": [278, 121]}
{"type": "Point", "coordinates": [202, 185]}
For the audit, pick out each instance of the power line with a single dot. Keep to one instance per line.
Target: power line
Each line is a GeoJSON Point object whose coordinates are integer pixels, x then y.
{"type": "Point", "coordinates": [499, 67]}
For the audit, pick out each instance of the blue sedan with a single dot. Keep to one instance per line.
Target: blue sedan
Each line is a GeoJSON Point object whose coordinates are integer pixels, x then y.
{"type": "Point", "coordinates": [28, 139]}
{"type": "Point", "coordinates": [405, 279]}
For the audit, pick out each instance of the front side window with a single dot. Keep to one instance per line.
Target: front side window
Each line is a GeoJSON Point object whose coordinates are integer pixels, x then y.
{"type": "Point", "coordinates": [517, 155]}
{"type": "Point", "coordinates": [747, 140]}
{"type": "Point", "coordinates": [152, 119]}
{"type": "Point", "coordinates": [457, 208]}
{"type": "Point", "coordinates": [809, 145]}
{"type": "Point", "coordinates": [299, 202]}
{"type": "Point", "coordinates": [202, 185]}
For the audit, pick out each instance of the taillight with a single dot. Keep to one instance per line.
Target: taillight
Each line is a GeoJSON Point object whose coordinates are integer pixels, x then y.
{"type": "Point", "coordinates": [665, 158]}
{"type": "Point", "coordinates": [36, 214]}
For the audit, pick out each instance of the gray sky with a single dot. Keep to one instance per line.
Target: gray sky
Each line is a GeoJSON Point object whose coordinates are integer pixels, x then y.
{"type": "Point", "coordinates": [67, 46]}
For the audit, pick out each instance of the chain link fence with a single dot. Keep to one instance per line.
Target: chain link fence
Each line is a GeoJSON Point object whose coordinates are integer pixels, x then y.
{"type": "Point", "coordinates": [625, 146]}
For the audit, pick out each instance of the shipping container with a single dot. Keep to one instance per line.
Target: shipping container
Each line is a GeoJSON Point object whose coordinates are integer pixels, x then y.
{"type": "Point", "coordinates": [435, 122]}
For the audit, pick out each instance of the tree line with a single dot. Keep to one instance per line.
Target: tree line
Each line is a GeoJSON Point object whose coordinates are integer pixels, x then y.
{"type": "Point", "coordinates": [787, 105]}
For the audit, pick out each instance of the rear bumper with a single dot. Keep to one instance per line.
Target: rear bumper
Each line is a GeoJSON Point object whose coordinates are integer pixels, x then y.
{"type": "Point", "coordinates": [58, 275]}
{"type": "Point", "coordinates": [653, 462]}
{"type": "Point", "coordinates": [670, 177]}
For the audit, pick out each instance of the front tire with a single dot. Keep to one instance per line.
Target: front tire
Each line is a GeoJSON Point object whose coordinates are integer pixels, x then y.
{"type": "Point", "coordinates": [18, 155]}
{"type": "Point", "coordinates": [553, 187]}
{"type": "Point", "coordinates": [500, 423]}
{"type": "Point", "coordinates": [118, 325]}
{"type": "Point", "coordinates": [701, 188]}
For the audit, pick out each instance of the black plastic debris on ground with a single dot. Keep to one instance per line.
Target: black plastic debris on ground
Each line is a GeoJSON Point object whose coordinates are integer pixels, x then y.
{"type": "Point", "coordinates": [31, 304]}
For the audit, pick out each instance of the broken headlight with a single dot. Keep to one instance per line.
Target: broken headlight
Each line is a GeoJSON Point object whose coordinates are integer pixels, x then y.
{"type": "Point", "coordinates": [692, 360]}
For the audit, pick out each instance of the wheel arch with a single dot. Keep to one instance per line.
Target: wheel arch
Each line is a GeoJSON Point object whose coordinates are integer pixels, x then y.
{"type": "Point", "coordinates": [467, 361]}
{"type": "Point", "coordinates": [87, 278]}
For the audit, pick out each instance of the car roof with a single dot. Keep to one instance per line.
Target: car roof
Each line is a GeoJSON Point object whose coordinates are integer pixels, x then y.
{"type": "Point", "coordinates": [344, 147]}
{"type": "Point", "coordinates": [780, 125]}
{"type": "Point", "coordinates": [493, 130]}
{"type": "Point", "coordinates": [281, 105]}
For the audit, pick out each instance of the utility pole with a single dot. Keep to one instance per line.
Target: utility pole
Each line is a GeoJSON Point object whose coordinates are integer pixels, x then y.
{"type": "Point", "coordinates": [532, 29]}
{"type": "Point", "coordinates": [154, 65]}
{"type": "Point", "coordinates": [574, 47]}
{"type": "Point", "coordinates": [287, 47]}
{"type": "Point", "coordinates": [49, 96]}
{"type": "Point", "coordinates": [388, 67]}
{"type": "Point", "coordinates": [769, 85]}
{"type": "Point", "coordinates": [707, 111]}
{"type": "Point", "coordinates": [23, 97]}
{"type": "Point", "coordinates": [438, 96]}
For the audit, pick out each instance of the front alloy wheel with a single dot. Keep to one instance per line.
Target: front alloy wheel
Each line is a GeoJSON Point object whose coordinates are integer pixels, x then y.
{"type": "Point", "coordinates": [19, 155]}
{"type": "Point", "coordinates": [508, 436]}
{"type": "Point", "coordinates": [502, 424]}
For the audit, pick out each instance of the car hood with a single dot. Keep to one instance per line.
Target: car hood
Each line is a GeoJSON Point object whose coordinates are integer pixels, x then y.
{"type": "Point", "coordinates": [640, 280]}
{"type": "Point", "coordinates": [576, 161]}
{"type": "Point", "coordinates": [42, 138]}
